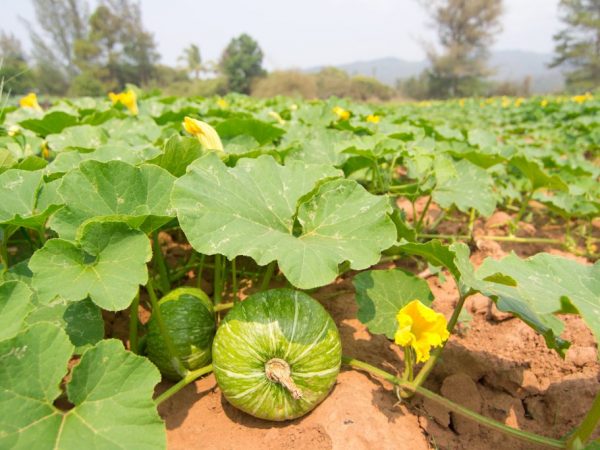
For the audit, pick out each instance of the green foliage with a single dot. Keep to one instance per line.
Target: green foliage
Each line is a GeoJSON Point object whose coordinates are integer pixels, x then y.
{"type": "Point", "coordinates": [44, 349]}
{"type": "Point", "coordinates": [380, 294]}
{"type": "Point", "coordinates": [241, 63]}
{"type": "Point", "coordinates": [577, 45]}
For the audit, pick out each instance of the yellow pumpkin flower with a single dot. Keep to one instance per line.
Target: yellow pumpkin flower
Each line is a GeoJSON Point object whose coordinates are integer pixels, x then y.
{"type": "Point", "coordinates": [373, 118]}
{"type": "Point", "coordinates": [222, 103]}
{"type": "Point", "coordinates": [30, 101]}
{"type": "Point", "coordinates": [582, 98]}
{"type": "Point", "coordinates": [421, 328]}
{"type": "Point", "coordinates": [461, 102]}
{"type": "Point", "coordinates": [544, 103]}
{"type": "Point", "coordinates": [45, 150]}
{"type": "Point", "coordinates": [206, 134]}
{"type": "Point", "coordinates": [127, 99]}
{"type": "Point", "coordinates": [13, 130]}
{"type": "Point", "coordinates": [277, 117]}
{"type": "Point", "coordinates": [342, 113]}
{"type": "Point", "coordinates": [519, 101]}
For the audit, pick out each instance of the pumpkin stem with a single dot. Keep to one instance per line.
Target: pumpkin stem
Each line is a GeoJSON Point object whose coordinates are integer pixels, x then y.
{"type": "Point", "coordinates": [278, 371]}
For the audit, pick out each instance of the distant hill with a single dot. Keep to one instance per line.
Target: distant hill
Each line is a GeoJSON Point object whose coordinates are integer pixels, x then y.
{"type": "Point", "coordinates": [510, 65]}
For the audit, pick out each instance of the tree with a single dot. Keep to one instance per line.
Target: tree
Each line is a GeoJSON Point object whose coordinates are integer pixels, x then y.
{"type": "Point", "coordinates": [117, 49]}
{"type": "Point", "coordinates": [241, 63]}
{"type": "Point", "coordinates": [193, 60]}
{"type": "Point", "coordinates": [15, 74]}
{"type": "Point", "coordinates": [466, 29]}
{"type": "Point", "coordinates": [578, 44]}
{"type": "Point", "coordinates": [60, 23]}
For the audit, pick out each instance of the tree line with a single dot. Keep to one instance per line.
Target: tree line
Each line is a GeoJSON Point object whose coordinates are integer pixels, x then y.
{"type": "Point", "coordinates": [76, 51]}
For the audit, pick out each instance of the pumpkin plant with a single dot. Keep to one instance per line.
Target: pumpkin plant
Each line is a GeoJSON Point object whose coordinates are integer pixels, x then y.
{"type": "Point", "coordinates": [143, 202]}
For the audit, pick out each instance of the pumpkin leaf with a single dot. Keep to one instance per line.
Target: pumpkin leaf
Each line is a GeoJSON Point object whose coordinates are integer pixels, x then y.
{"type": "Point", "coordinates": [52, 122]}
{"type": "Point", "coordinates": [85, 137]}
{"type": "Point", "coordinates": [111, 390]}
{"type": "Point", "coordinates": [107, 263]}
{"type": "Point", "coordinates": [15, 304]}
{"type": "Point", "coordinates": [380, 294]}
{"type": "Point", "coordinates": [536, 288]}
{"type": "Point", "coordinates": [466, 186]}
{"type": "Point", "coordinates": [138, 196]}
{"type": "Point", "coordinates": [21, 202]}
{"type": "Point", "coordinates": [251, 210]}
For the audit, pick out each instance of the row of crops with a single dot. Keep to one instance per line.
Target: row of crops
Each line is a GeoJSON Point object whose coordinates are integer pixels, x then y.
{"type": "Point", "coordinates": [301, 192]}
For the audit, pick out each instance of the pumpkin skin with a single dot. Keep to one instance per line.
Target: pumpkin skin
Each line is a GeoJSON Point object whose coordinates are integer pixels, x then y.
{"type": "Point", "coordinates": [189, 316]}
{"type": "Point", "coordinates": [284, 327]}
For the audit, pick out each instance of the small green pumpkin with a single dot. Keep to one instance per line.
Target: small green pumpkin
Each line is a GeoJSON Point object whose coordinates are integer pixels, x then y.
{"type": "Point", "coordinates": [190, 319]}
{"type": "Point", "coordinates": [277, 354]}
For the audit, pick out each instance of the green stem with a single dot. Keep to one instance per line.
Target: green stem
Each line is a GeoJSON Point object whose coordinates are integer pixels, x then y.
{"type": "Point", "coordinates": [435, 354]}
{"type": "Point", "coordinates": [160, 265]}
{"type": "Point", "coordinates": [402, 187]}
{"type": "Point", "coordinates": [223, 306]}
{"type": "Point", "coordinates": [455, 407]}
{"type": "Point", "coordinates": [408, 364]}
{"type": "Point", "coordinates": [177, 365]}
{"type": "Point", "coordinates": [200, 269]}
{"type": "Point", "coordinates": [587, 426]}
{"type": "Point", "coordinates": [471, 222]}
{"type": "Point", "coordinates": [522, 209]}
{"type": "Point", "coordinates": [516, 239]}
{"type": "Point", "coordinates": [218, 287]}
{"type": "Point", "coordinates": [234, 285]}
{"type": "Point", "coordinates": [187, 379]}
{"type": "Point", "coordinates": [268, 275]}
{"type": "Point", "coordinates": [423, 214]}
{"type": "Point", "coordinates": [42, 234]}
{"type": "Point", "coordinates": [133, 324]}
{"type": "Point", "coordinates": [4, 254]}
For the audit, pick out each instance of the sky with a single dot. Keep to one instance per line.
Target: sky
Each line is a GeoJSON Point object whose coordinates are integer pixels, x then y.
{"type": "Point", "coordinates": [308, 33]}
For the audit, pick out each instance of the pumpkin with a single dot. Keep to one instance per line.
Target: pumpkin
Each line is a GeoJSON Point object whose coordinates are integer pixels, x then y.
{"type": "Point", "coordinates": [277, 354]}
{"type": "Point", "coordinates": [190, 320]}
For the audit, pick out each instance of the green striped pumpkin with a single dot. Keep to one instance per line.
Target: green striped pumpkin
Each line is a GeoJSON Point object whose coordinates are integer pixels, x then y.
{"type": "Point", "coordinates": [277, 354]}
{"type": "Point", "coordinates": [189, 317]}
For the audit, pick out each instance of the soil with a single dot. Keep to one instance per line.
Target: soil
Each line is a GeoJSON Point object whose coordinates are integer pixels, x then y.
{"type": "Point", "coordinates": [495, 365]}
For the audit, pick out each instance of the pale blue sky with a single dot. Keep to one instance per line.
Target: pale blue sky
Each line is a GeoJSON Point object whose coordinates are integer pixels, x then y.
{"type": "Point", "coordinates": [311, 32]}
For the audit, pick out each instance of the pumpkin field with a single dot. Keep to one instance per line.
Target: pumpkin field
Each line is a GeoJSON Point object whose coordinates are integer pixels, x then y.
{"type": "Point", "coordinates": [242, 273]}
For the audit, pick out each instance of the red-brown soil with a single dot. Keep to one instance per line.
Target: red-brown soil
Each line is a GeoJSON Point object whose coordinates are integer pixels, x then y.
{"type": "Point", "coordinates": [496, 365]}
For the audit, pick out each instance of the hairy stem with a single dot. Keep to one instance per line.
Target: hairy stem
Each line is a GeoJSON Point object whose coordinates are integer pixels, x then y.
{"type": "Point", "coordinates": [234, 285]}
{"type": "Point", "coordinates": [455, 407]}
{"type": "Point", "coordinates": [218, 284]}
{"type": "Point", "coordinates": [268, 275]}
{"type": "Point", "coordinates": [159, 265]}
{"type": "Point", "coordinates": [191, 376]}
{"type": "Point", "coordinates": [133, 324]}
{"type": "Point", "coordinates": [423, 214]}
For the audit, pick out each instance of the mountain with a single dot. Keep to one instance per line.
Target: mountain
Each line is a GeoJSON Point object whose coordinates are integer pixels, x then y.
{"type": "Point", "coordinates": [510, 65]}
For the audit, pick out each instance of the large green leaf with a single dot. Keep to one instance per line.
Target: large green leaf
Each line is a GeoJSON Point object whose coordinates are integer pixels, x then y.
{"type": "Point", "coordinates": [538, 177]}
{"type": "Point", "coordinates": [259, 130]}
{"type": "Point", "coordinates": [108, 263]}
{"type": "Point", "coordinates": [466, 186]}
{"type": "Point", "coordinates": [251, 209]}
{"type": "Point", "coordinates": [111, 390]}
{"type": "Point", "coordinates": [15, 304]}
{"type": "Point", "coordinates": [82, 320]}
{"type": "Point", "coordinates": [536, 288]}
{"type": "Point", "coordinates": [78, 136]}
{"type": "Point", "coordinates": [138, 196]}
{"type": "Point", "coordinates": [52, 122]}
{"type": "Point", "coordinates": [380, 294]}
{"type": "Point", "coordinates": [21, 199]}
{"type": "Point", "coordinates": [178, 154]}
{"type": "Point", "coordinates": [65, 161]}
